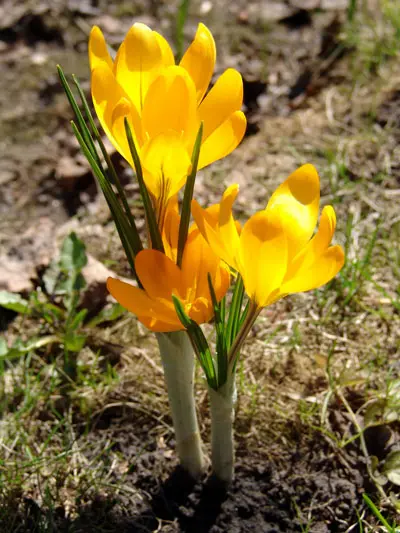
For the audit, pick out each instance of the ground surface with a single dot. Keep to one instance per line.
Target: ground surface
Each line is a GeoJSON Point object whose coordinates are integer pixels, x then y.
{"type": "Point", "coordinates": [95, 454]}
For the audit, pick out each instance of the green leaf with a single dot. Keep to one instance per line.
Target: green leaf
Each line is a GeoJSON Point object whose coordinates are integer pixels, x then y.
{"type": "Point", "coordinates": [108, 314]}
{"type": "Point", "coordinates": [51, 277]}
{"type": "Point", "coordinates": [18, 349]}
{"type": "Point", "coordinates": [391, 467]}
{"type": "Point", "coordinates": [77, 321]}
{"type": "Point", "coordinates": [3, 347]}
{"type": "Point", "coordinates": [73, 254]}
{"type": "Point", "coordinates": [74, 342]}
{"type": "Point", "coordinates": [156, 240]}
{"type": "Point", "coordinates": [187, 197]}
{"type": "Point", "coordinates": [222, 353]}
{"type": "Point", "coordinates": [234, 318]}
{"type": "Point", "coordinates": [199, 343]}
{"type": "Point", "coordinates": [111, 168]}
{"type": "Point", "coordinates": [14, 302]}
{"type": "Point", "coordinates": [128, 238]}
{"type": "Point", "coordinates": [84, 130]}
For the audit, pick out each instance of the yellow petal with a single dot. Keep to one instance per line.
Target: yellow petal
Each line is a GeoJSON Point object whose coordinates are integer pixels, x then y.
{"type": "Point", "coordinates": [170, 104]}
{"type": "Point", "coordinates": [166, 52]}
{"type": "Point", "coordinates": [112, 103]}
{"type": "Point", "coordinates": [199, 60]}
{"type": "Point", "coordinates": [201, 311]}
{"type": "Point", "coordinates": [228, 230]}
{"type": "Point", "coordinates": [198, 261]}
{"type": "Point", "coordinates": [98, 52]}
{"type": "Point", "coordinates": [263, 248]}
{"type": "Point", "coordinates": [223, 140]}
{"type": "Point", "coordinates": [296, 202]}
{"type": "Point", "coordinates": [171, 229]}
{"type": "Point", "coordinates": [318, 273]}
{"type": "Point", "coordinates": [137, 301]}
{"type": "Point", "coordinates": [159, 275]}
{"type": "Point", "coordinates": [166, 164]}
{"type": "Point", "coordinates": [139, 56]}
{"type": "Point", "coordinates": [206, 223]}
{"type": "Point", "coordinates": [225, 98]}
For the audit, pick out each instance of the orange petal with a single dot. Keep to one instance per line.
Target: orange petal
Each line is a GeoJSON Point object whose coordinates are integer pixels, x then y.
{"type": "Point", "coordinates": [137, 301]}
{"type": "Point", "coordinates": [159, 275]}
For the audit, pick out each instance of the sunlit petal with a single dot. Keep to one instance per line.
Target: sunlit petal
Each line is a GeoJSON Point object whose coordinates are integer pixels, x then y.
{"type": "Point", "coordinates": [225, 98]}
{"type": "Point", "coordinates": [318, 273]}
{"type": "Point", "coordinates": [263, 248]}
{"type": "Point", "coordinates": [223, 140]}
{"type": "Point", "coordinates": [98, 52]}
{"type": "Point", "coordinates": [166, 52]}
{"type": "Point", "coordinates": [199, 60]}
{"type": "Point", "coordinates": [139, 56]}
{"type": "Point", "coordinates": [159, 275]}
{"type": "Point", "coordinates": [111, 104]}
{"type": "Point", "coordinates": [296, 204]}
{"type": "Point", "coordinates": [166, 163]}
{"type": "Point", "coordinates": [136, 300]}
{"type": "Point", "coordinates": [206, 223]}
{"type": "Point", "coordinates": [170, 104]}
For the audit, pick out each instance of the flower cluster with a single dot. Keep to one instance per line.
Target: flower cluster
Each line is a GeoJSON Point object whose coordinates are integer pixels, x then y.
{"type": "Point", "coordinates": [275, 253]}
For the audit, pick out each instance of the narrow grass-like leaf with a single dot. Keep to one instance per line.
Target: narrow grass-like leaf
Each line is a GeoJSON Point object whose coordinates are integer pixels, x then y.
{"type": "Point", "coordinates": [110, 166]}
{"type": "Point", "coordinates": [199, 343]}
{"type": "Point", "coordinates": [121, 222]}
{"type": "Point", "coordinates": [80, 120]}
{"type": "Point", "coordinates": [377, 513]}
{"type": "Point", "coordinates": [222, 355]}
{"type": "Point", "coordinates": [183, 11]}
{"type": "Point", "coordinates": [187, 197]}
{"type": "Point", "coordinates": [156, 240]}
{"type": "Point", "coordinates": [234, 321]}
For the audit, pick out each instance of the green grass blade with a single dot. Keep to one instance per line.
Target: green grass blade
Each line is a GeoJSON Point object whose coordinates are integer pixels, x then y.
{"type": "Point", "coordinates": [115, 179]}
{"type": "Point", "coordinates": [187, 197]}
{"type": "Point", "coordinates": [377, 513]}
{"type": "Point", "coordinates": [199, 343]}
{"type": "Point", "coordinates": [80, 120]}
{"type": "Point", "coordinates": [123, 227]}
{"type": "Point", "coordinates": [222, 353]}
{"type": "Point", "coordinates": [156, 240]}
{"type": "Point", "coordinates": [234, 318]}
{"type": "Point", "coordinates": [183, 11]}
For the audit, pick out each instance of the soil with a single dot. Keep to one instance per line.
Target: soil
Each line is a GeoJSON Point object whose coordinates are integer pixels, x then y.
{"type": "Point", "coordinates": [266, 496]}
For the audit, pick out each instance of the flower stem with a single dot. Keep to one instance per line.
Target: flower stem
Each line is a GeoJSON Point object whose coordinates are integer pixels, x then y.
{"type": "Point", "coordinates": [179, 362]}
{"type": "Point", "coordinates": [222, 415]}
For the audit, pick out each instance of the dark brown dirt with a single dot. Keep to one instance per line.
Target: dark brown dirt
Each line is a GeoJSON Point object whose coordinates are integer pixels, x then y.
{"type": "Point", "coordinates": [266, 496]}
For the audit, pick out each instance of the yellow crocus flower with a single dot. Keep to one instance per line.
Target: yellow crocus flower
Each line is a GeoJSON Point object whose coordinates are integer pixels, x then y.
{"type": "Point", "coordinates": [276, 253]}
{"type": "Point", "coordinates": [165, 104]}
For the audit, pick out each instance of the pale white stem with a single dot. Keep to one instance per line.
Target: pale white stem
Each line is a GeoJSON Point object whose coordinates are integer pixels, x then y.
{"type": "Point", "coordinates": [222, 403]}
{"type": "Point", "coordinates": [178, 361]}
